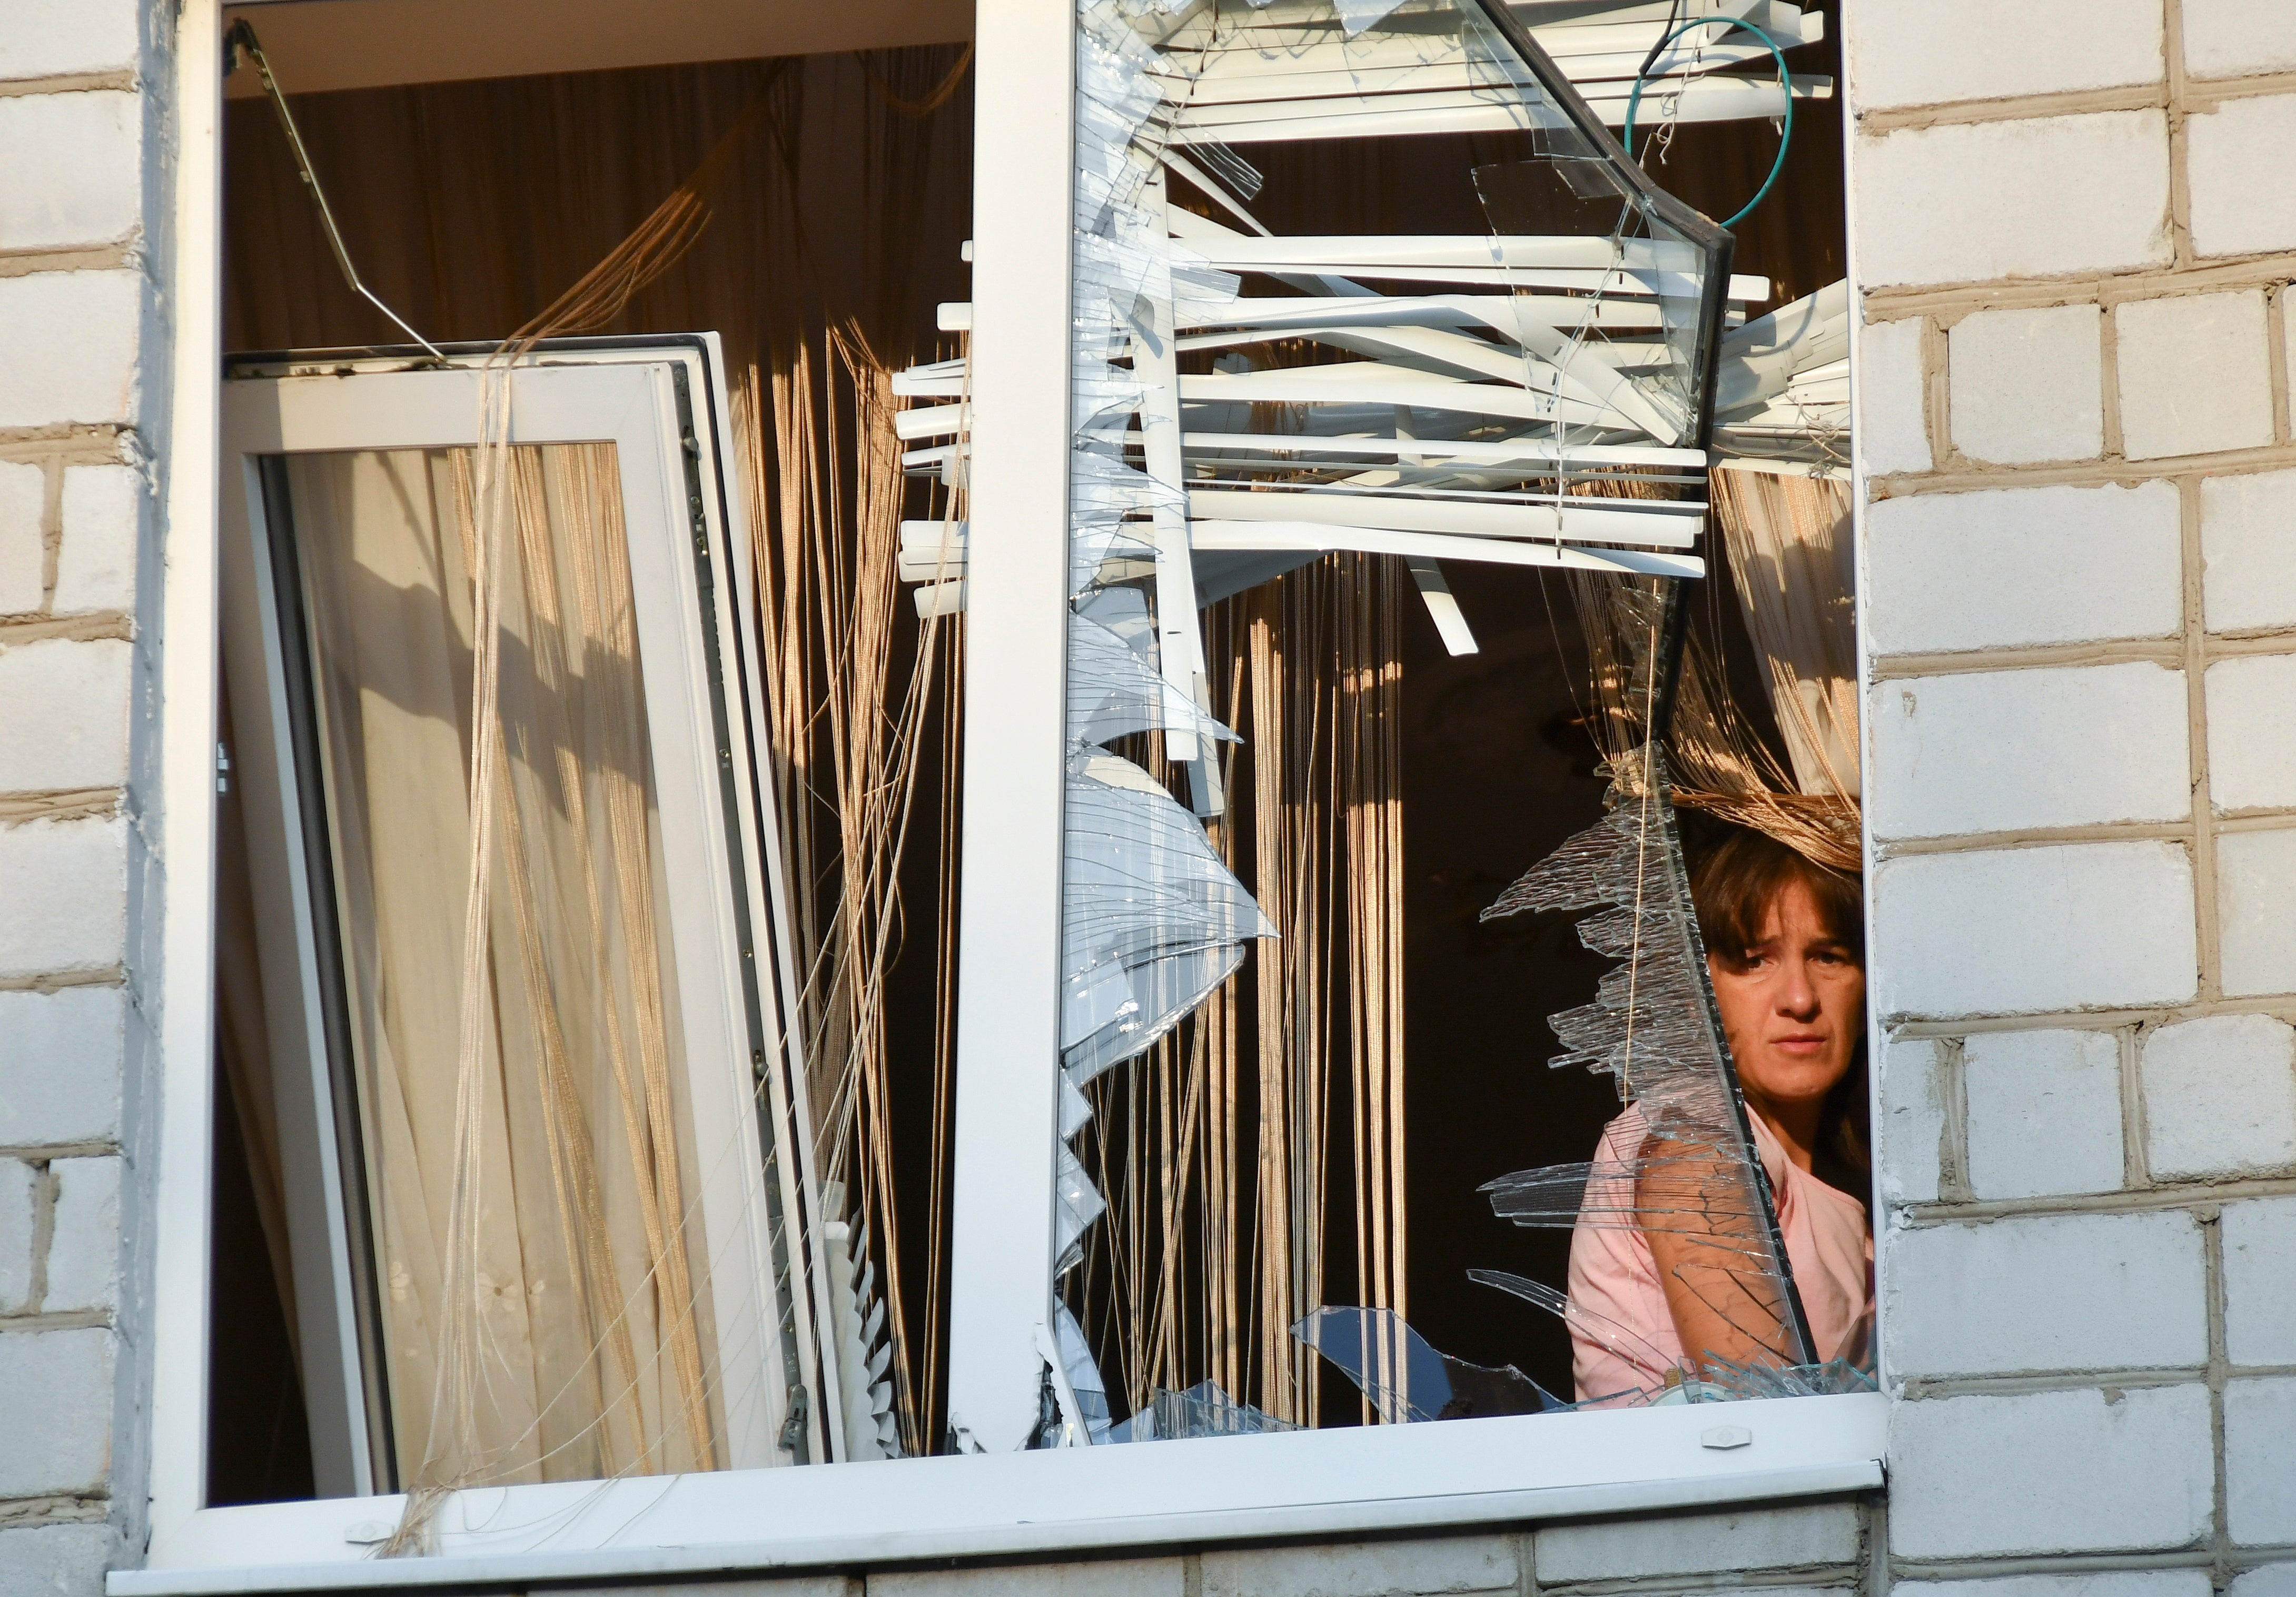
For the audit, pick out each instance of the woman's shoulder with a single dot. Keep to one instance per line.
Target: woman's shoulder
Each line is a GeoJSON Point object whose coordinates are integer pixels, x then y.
{"type": "Point", "coordinates": [1623, 1136]}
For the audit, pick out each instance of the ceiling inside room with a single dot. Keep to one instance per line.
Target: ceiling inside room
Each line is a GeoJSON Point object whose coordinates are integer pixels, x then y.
{"type": "Point", "coordinates": [315, 45]}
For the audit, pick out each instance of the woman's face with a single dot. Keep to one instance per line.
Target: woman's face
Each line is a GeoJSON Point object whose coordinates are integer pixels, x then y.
{"type": "Point", "coordinates": [1794, 1009]}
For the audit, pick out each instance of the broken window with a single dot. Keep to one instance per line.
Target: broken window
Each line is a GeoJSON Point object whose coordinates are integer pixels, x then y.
{"type": "Point", "coordinates": [1272, 424]}
{"type": "Point", "coordinates": [1412, 431]}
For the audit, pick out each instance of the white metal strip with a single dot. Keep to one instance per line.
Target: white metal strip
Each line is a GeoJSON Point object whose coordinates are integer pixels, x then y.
{"type": "Point", "coordinates": [1009, 919]}
{"type": "Point", "coordinates": [1311, 537]}
{"type": "Point", "coordinates": [1582, 520]}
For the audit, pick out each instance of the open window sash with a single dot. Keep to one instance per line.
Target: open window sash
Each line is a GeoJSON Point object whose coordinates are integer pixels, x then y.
{"type": "Point", "coordinates": [643, 1282]}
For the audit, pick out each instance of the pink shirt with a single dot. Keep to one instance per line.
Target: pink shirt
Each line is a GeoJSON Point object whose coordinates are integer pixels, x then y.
{"type": "Point", "coordinates": [1613, 1274]}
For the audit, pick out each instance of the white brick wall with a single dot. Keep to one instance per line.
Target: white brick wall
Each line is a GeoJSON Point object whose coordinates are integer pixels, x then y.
{"type": "Point", "coordinates": [2034, 930]}
{"type": "Point", "coordinates": [2252, 733]}
{"type": "Point", "coordinates": [2092, 1583]}
{"type": "Point", "coordinates": [2023, 199]}
{"type": "Point", "coordinates": [1910, 1135]}
{"type": "Point", "coordinates": [2256, 881]}
{"type": "Point", "coordinates": [2233, 38]}
{"type": "Point", "coordinates": [102, 526]}
{"type": "Point", "coordinates": [1102, 1577]}
{"type": "Point", "coordinates": [2247, 582]}
{"type": "Point", "coordinates": [2077, 1072]}
{"type": "Point", "coordinates": [84, 1251]}
{"type": "Point", "coordinates": [2261, 1460]}
{"type": "Point", "coordinates": [2028, 385]}
{"type": "Point", "coordinates": [65, 884]}
{"type": "Point", "coordinates": [60, 1558]}
{"type": "Point", "coordinates": [56, 1386]}
{"type": "Point", "coordinates": [1893, 405]}
{"type": "Point", "coordinates": [68, 347]}
{"type": "Point", "coordinates": [2239, 205]}
{"type": "Point", "coordinates": [2091, 744]}
{"type": "Point", "coordinates": [2163, 343]}
{"type": "Point", "coordinates": [1795, 1550]}
{"type": "Point", "coordinates": [2047, 1293]}
{"type": "Point", "coordinates": [54, 38]}
{"type": "Point", "coordinates": [2259, 1239]}
{"type": "Point", "coordinates": [2220, 1096]}
{"type": "Point", "coordinates": [85, 165]}
{"type": "Point", "coordinates": [18, 1217]}
{"type": "Point", "coordinates": [67, 721]}
{"type": "Point", "coordinates": [86, 188]}
{"type": "Point", "coordinates": [23, 502]}
{"type": "Point", "coordinates": [1947, 573]}
{"type": "Point", "coordinates": [1460, 1564]}
{"type": "Point", "coordinates": [60, 1064]}
{"type": "Point", "coordinates": [1916, 52]}
{"type": "Point", "coordinates": [1752, 1538]}
{"type": "Point", "coordinates": [2044, 1112]}
{"type": "Point", "coordinates": [2089, 1469]}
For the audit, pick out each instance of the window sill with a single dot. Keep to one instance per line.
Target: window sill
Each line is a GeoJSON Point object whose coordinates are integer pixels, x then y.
{"type": "Point", "coordinates": [1332, 1482]}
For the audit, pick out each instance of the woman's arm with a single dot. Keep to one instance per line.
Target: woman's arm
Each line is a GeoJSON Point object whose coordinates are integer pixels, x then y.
{"type": "Point", "coordinates": [1698, 1210]}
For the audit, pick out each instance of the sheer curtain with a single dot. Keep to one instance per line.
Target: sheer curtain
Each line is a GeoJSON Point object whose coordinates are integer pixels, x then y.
{"type": "Point", "coordinates": [594, 1354]}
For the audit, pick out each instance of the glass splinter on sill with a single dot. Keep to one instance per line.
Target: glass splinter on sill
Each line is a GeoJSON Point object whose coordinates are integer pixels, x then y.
{"type": "Point", "coordinates": [1406, 1380]}
{"type": "Point", "coordinates": [1203, 1410]}
{"type": "Point", "coordinates": [1830, 1379]}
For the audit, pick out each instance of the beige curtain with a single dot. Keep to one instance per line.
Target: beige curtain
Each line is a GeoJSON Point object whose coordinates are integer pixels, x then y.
{"type": "Point", "coordinates": [592, 1337]}
{"type": "Point", "coordinates": [1791, 556]}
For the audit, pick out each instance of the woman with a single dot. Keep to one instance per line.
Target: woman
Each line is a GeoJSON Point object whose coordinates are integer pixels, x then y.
{"type": "Point", "coordinates": [1785, 948]}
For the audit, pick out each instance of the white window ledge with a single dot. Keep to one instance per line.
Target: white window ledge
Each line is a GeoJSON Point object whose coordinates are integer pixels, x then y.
{"type": "Point", "coordinates": [1307, 1483]}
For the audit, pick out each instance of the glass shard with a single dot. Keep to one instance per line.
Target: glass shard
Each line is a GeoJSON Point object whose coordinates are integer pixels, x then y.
{"type": "Point", "coordinates": [1406, 1380]}
{"type": "Point", "coordinates": [1682, 1164]}
{"type": "Point", "coordinates": [1203, 1410]}
{"type": "Point", "coordinates": [1084, 1375]}
{"type": "Point", "coordinates": [1622, 1341]}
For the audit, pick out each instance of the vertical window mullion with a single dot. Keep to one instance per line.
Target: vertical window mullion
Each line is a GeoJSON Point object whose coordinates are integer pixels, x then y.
{"type": "Point", "coordinates": [1016, 578]}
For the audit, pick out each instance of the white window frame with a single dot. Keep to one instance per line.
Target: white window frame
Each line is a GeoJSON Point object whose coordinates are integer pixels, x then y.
{"type": "Point", "coordinates": [1310, 1483]}
{"type": "Point", "coordinates": [645, 398]}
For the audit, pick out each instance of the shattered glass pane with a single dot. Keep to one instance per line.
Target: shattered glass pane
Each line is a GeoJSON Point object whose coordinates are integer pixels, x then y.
{"type": "Point", "coordinates": [1686, 1166]}
{"type": "Point", "coordinates": [1152, 919]}
{"type": "Point", "coordinates": [1243, 402]}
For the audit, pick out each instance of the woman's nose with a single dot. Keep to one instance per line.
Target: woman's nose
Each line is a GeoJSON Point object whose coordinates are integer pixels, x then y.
{"type": "Point", "coordinates": [1797, 995]}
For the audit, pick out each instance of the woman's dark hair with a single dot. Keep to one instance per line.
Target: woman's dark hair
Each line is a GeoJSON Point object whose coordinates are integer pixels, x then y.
{"type": "Point", "coordinates": [1735, 884]}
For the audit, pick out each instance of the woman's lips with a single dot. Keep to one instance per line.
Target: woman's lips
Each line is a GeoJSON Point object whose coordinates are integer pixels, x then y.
{"type": "Point", "coordinates": [1801, 1042]}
